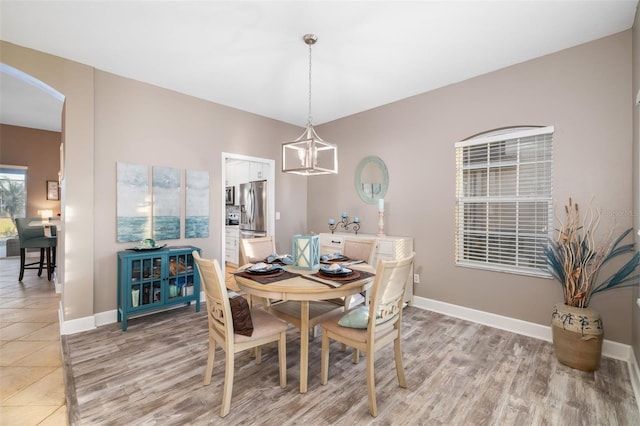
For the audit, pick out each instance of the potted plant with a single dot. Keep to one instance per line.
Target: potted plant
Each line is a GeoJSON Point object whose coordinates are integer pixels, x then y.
{"type": "Point", "coordinates": [575, 260]}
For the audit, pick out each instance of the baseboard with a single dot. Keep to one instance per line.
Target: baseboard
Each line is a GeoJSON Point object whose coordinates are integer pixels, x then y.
{"type": "Point", "coordinates": [97, 320]}
{"type": "Point", "coordinates": [610, 348]}
{"type": "Point", "coordinates": [75, 325]}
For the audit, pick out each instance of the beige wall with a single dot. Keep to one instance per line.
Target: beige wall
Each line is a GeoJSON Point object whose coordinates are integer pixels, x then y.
{"type": "Point", "coordinates": [143, 124]}
{"type": "Point", "coordinates": [39, 150]}
{"type": "Point", "coordinates": [585, 92]}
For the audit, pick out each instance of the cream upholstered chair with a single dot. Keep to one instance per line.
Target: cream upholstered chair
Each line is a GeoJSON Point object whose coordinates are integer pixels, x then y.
{"type": "Point", "coordinates": [253, 250]}
{"type": "Point", "coordinates": [370, 328]}
{"type": "Point", "coordinates": [266, 329]}
{"type": "Point", "coordinates": [359, 249]}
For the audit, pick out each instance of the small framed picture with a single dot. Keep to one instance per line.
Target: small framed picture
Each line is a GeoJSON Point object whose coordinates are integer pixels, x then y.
{"type": "Point", "coordinates": [53, 192]}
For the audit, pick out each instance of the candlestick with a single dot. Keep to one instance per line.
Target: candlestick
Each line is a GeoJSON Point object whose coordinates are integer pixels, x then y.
{"type": "Point", "coordinates": [344, 223]}
{"type": "Point", "coordinates": [381, 223]}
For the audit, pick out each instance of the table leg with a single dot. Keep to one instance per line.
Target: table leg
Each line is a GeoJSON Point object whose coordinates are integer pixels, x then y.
{"type": "Point", "coordinates": [304, 345]}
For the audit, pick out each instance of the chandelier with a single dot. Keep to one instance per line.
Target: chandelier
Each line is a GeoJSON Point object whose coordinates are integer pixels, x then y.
{"type": "Point", "coordinates": [309, 154]}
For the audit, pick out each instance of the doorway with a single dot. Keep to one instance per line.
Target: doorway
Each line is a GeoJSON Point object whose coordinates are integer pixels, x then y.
{"type": "Point", "coordinates": [245, 173]}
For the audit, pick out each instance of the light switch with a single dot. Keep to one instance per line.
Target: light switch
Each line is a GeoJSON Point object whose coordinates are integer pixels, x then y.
{"type": "Point", "coordinates": [277, 215]}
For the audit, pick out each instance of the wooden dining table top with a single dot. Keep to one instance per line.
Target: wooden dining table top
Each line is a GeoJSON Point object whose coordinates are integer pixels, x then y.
{"type": "Point", "coordinates": [309, 288]}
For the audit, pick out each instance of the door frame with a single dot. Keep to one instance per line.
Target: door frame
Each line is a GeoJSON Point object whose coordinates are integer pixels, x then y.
{"type": "Point", "coordinates": [271, 197]}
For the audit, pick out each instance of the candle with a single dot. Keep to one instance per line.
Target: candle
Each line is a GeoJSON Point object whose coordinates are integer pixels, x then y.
{"type": "Point", "coordinates": [331, 222]}
{"type": "Point", "coordinates": [356, 219]}
{"type": "Point", "coordinates": [381, 204]}
{"type": "Point", "coordinates": [344, 214]}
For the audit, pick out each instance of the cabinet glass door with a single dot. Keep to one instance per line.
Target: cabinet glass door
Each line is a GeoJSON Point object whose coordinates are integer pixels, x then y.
{"type": "Point", "coordinates": [181, 269]}
{"type": "Point", "coordinates": [146, 282]}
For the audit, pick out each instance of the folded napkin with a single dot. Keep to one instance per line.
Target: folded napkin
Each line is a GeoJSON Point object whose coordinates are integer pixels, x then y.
{"type": "Point", "coordinates": [287, 259]}
{"type": "Point", "coordinates": [261, 266]}
{"type": "Point", "coordinates": [327, 257]}
{"type": "Point", "coordinates": [335, 268]}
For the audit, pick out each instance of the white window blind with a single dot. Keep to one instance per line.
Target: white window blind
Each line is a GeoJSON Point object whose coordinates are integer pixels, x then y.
{"type": "Point", "coordinates": [504, 212]}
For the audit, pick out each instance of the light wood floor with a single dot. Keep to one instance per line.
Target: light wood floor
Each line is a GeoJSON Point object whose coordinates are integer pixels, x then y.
{"type": "Point", "coordinates": [31, 376]}
{"type": "Point", "coordinates": [458, 373]}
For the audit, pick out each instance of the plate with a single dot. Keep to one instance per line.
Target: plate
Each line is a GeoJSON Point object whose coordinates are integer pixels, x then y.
{"type": "Point", "coordinates": [147, 248]}
{"type": "Point", "coordinates": [336, 273]}
{"type": "Point", "coordinates": [264, 271]}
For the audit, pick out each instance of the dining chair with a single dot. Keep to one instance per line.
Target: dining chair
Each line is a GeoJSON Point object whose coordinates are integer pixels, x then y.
{"type": "Point", "coordinates": [34, 237]}
{"type": "Point", "coordinates": [266, 328]}
{"type": "Point", "coordinates": [370, 328]}
{"type": "Point", "coordinates": [253, 250]}
{"type": "Point", "coordinates": [360, 249]}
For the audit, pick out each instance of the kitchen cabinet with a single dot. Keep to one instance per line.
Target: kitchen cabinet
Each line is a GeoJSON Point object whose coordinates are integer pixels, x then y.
{"type": "Point", "coordinates": [387, 248]}
{"type": "Point", "coordinates": [232, 244]}
{"type": "Point", "coordinates": [154, 280]}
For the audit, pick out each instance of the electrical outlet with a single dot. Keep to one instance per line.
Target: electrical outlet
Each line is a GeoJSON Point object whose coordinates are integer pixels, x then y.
{"type": "Point", "coordinates": [416, 278]}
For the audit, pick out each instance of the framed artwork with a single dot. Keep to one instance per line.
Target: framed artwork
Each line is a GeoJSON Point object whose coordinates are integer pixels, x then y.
{"type": "Point", "coordinates": [53, 192]}
{"type": "Point", "coordinates": [133, 202]}
{"type": "Point", "coordinates": [197, 204]}
{"type": "Point", "coordinates": [166, 203]}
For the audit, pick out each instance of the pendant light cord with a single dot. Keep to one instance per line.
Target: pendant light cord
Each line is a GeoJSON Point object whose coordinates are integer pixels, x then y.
{"type": "Point", "coordinates": [309, 117]}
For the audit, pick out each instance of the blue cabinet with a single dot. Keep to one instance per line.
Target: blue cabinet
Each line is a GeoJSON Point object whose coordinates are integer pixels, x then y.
{"type": "Point", "coordinates": [154, 280]}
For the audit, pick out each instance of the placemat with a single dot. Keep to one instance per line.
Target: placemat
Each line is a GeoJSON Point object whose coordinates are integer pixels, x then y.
{"type": "Point", "coordinates": [341, 280]}
{"type": "Point", "coordinates": [270, 278]}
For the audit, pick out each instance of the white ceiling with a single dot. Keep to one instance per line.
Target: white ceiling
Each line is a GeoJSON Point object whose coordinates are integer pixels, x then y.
{"type": "Point", "coordinates": [250, 54]}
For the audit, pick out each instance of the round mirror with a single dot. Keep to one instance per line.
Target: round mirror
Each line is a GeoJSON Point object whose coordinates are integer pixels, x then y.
{"type": "Point", "coordinates": [372, 179]}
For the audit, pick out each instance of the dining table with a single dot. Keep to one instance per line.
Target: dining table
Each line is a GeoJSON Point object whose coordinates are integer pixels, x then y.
{"type": "Point", "coordinates": [304, 285]}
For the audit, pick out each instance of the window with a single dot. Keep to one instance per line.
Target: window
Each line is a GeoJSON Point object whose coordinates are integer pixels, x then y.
{"type": "Point", "coordinates": [13, 198]}
{"type": "Point", "coordinates": [504, 212]}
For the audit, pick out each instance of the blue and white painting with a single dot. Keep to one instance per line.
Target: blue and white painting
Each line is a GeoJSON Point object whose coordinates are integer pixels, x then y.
{"type": "Point", "coordinates": [133, 202]}
{"type": "Point", "coordinates": [166, 203]}
{"type": "Point", "coordinates": [197, 204]}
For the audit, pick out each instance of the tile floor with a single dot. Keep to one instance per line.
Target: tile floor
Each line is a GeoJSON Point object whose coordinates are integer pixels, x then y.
{"type": "Point", "coordinates": [31, 376]}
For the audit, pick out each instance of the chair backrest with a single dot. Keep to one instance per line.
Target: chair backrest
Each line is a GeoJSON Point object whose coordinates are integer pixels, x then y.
{"type": "Point", "coordinates": [387, 294]}
{"type": "Point", "coordinates": [359, 249]}
{"type": "Point", "coordinates": [26, 232]}
{"type": "Point", "coordinates": [254, 250]}
{"type": "Point", "coordinates": [218, 308]}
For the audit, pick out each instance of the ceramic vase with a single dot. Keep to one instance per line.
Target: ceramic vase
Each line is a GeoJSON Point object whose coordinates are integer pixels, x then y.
{"type": "Point", "coordinates": [577, 336]}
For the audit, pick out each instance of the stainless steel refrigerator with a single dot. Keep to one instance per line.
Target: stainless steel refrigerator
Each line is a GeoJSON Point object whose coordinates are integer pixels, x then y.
{"type": "Point", "coordinates": [253, 209]}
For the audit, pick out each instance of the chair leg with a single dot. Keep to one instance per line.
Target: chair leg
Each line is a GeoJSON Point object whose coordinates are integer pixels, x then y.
{"type": "Point", "coordinates": [399, 367]}
{"type": "Point", "coordinates": [228, 383]}
{"type": "Point", "coordinates": [356, 355]}
{"type": "Point", "coordinates": [371, 385]}
{"type": "Point", "coordinates": [41, 261]}
{"type": "Point", "coordinates": [212, 354]}
{"type": "Point", "coordinates": [22, 261]}
{"type": "Point", "coordinates": [258, 350]}
{"type": "Point", "coordinates": [282, 358]}
{"type": "Point", "coordinates": [324, 358]}
{"type": "Point", "coordinates": [49, 267]}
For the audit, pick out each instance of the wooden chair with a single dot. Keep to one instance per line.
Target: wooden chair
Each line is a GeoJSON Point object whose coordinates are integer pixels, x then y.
{"type": "Point", "coordinates": [382, 325]}
{"type": "Point", "coordinates": [254, 250]}
{"type": "Point", "coordinates": [360, 249]}
{"type": "Point", "coordinates": [33, 237]}
{"type": "Point", "coordinates": [266, 329]}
